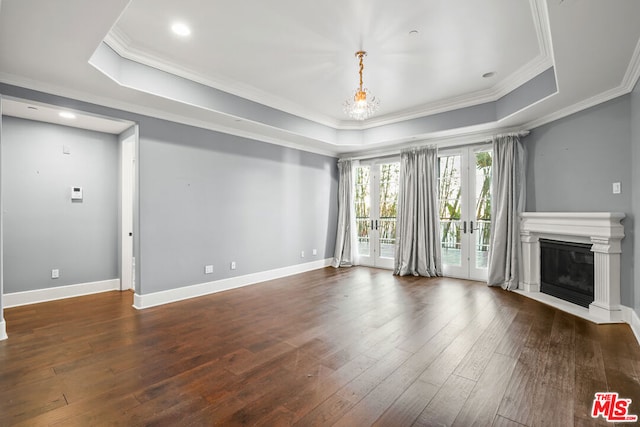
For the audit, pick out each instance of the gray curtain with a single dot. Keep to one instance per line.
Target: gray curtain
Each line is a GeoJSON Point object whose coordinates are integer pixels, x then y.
{"type": "Point", "coordinates": [345, 254]}
{"type": "Point", "coordinates": [508, 198]}
{"type": "Point", "coordinates": [418, 226]}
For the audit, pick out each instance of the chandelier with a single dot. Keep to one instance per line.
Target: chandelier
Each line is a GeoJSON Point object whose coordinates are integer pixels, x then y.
{"type": "Point", "coordinates": [362, 104]}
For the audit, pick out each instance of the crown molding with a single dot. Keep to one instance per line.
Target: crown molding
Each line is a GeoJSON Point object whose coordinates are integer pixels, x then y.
{"type": "Point", "coordinates": [122, 45]}
{"type": "Point", "coordinates": [127, 107]}
{"type": "Point", "coordinates": [516, 79]}
{"type": "Point", "coordinates": [528, 71]}
{"type": "Point", "coordinates": [627, 85]}
{"type": "Point", "coordinates": [117, 40]}
{"type": "Point", "coordinates": [443, 139]}
{"type": "Point", "coordinates": [632, 74]}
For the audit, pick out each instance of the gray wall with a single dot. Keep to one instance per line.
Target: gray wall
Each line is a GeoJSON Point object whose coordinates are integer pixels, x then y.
{"type": "Point", "coordinates": [572, 164]}
{"type": "Point", "coordinates": [635, 161]}
{"type": "Point", "coordinates": [212, 198]}
{"type": "Point", "coordinates": [206, 197]}
{"type": "Point", "coordinates": [43, 229]}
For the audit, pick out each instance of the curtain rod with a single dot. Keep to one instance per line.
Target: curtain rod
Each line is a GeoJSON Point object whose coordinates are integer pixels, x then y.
{"type": "Point", "coordinates": [521, 133]}
{"type": "Point", "coordinates": [444, 143]}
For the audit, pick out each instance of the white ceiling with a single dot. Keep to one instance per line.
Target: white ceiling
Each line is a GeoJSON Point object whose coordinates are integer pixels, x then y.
{"type": "Point", "coordinates": [298, 57]}
{"type": "Point", "coordinates": [41, 112]}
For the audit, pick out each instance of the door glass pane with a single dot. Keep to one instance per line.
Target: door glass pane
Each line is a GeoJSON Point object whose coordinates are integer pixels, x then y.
{"type": "Point", "coordinates": [362, 202]}
{"type": "Point", "coordinates": [388, 202]}
{"type": "Point", "coordinates": [449, 181]}
{"type": "Point", "coordinates": [483, 207]}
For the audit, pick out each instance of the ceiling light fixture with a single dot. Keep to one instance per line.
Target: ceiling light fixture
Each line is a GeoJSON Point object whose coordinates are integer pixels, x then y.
{"type": "Point", "coordinates": [362, 104]}
{"type": "Point", "coordinates": [181, 29]}
{"type": "Point", "coordinates": [67, 115]}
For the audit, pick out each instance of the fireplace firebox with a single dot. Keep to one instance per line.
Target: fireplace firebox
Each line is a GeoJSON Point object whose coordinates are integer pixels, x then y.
{"type": "Point", "coordinates": [567, 271]}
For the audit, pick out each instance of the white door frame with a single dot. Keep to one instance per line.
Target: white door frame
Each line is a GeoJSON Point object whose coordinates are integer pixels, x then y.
{"type": "Point", "coordinates": [468, 268]}
{"type": "Point", "coordinates": [375, 258]}
{"type": "Point", "coordinates": [127, 168]}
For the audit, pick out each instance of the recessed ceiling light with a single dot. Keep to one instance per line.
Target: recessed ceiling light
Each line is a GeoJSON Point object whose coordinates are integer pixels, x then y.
{"type": "Point", "coordinates": [414, 32]}
{"type": "Point", "coordinates": [489, 74]}
{"type": "Point", "coordinates": [67, 115]}
{"type": "Point", "coordinates": [181, 29]}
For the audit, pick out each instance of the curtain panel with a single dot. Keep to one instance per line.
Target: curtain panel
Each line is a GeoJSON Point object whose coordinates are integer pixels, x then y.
{"type": "Point", "coordinates": [345, 254]}
{"type": "Point", "coordinates": [418, 224]}
{"type": "Point", "coordinates": [508, 199]}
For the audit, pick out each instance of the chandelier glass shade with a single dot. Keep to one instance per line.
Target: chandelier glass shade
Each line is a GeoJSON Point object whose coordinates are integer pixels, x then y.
{"type": "Point", "coordinates": [363, 104]}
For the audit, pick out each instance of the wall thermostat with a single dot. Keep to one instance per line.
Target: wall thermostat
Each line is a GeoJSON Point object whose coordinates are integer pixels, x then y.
{"type": "Point", "coordinates": [76, 194]}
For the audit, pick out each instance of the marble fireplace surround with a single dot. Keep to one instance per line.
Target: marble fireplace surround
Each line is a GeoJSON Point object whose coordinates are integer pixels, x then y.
{"type": "Point", "coordinates": [603, 231]}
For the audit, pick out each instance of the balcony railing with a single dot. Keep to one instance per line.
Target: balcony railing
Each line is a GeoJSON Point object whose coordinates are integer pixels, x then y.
{"type": "Point", "coordinates": [386, 235]}
{"type": "Point", "coordinates": [450, 231]}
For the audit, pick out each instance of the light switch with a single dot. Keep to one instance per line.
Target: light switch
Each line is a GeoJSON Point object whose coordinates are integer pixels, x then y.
{"type": "Point", "coordinates": [616, 188]}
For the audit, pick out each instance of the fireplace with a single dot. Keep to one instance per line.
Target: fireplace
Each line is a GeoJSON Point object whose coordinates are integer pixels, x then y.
{"type": "Point", "coordinates": [601, 233]}
{"type": "Point", "coordinates": [566, 271]}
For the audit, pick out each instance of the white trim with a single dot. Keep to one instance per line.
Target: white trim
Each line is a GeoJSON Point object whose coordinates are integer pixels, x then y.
{"type": "Point", "coordinates": [16, 299]}
{"type": "Point", "coordinates": [140, 109]}
{"type": "Point", "coordinates": [187, 292]}
{"type": "Point", "coordinates": [121, 44]}
{"type": "Point", "coordinates": [629, 81]}
{"type": "Point", "coordinates": [631, 317]}
{"type": "Point", "coordinates": [3, 330]}
{"type": "Point", "coordinates": [632, 74]}
{"type": "Point", "coordinates": [443, 139]}
{"type": "Point", "coordinates": [568, 307]}
{"type": "Point", "coordinates": [536, 66]}
{"type": "Point", "coordinates": [602, 230]}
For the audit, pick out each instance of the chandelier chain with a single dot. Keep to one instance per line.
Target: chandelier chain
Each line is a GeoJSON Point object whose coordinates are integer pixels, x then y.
{"type": "Point", "coordinates": [361, 54]}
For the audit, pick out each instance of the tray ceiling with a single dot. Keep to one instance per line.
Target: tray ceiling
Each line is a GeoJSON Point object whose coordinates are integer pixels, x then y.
{"type": "Point", "coordinates": [279, 71]}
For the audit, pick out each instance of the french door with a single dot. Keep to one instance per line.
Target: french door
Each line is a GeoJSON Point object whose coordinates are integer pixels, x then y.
{"type": "Point", "coordinates": [376, 203]}
{"type": "Point", "coordinates": [465, 210]}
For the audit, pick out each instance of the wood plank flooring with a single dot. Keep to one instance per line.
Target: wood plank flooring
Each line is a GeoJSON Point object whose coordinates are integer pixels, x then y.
{"type": "Point", "coordinates": [347, 347]}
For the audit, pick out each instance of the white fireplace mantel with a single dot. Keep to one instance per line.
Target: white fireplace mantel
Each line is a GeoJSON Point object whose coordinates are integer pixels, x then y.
{"type": "Point", "coordinates": [603, 231]}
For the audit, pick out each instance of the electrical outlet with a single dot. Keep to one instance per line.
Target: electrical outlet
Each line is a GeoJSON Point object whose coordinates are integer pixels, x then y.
{"type": "Point", "coordinates": [233, 265]}
{"type": "Point", "coordinates": [55, 273]}
{"type": "Point", "coordinates": [208, 269]}
{"type": "Point", "coordinates": [314, 252]}
{"type": "Point", "coordinates": [302, 254]}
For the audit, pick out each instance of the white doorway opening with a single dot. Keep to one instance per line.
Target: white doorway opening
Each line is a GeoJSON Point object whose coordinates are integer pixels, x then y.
{"type": "Point", "coordinates": [127, 167]}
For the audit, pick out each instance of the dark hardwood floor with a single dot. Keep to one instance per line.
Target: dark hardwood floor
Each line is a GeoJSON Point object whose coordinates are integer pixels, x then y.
{"type": "Point", "coordinates": [348, 347]}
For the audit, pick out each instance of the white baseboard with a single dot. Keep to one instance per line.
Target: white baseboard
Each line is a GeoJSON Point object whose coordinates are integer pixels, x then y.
{"type": "Point", "coordinates": [628, 314]}
{"type": "Point", "coordinates": [631, 317]}
{"type": "Point", "coordinates": [179, 294]}
{"type": "Point", "coordinates": [3, 330]}
{"type": "Point", "coordinates": [16, 299]}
